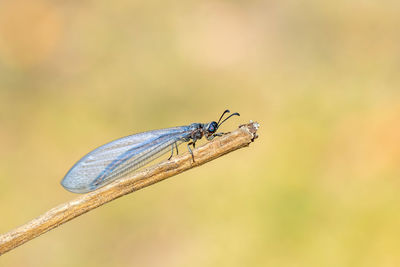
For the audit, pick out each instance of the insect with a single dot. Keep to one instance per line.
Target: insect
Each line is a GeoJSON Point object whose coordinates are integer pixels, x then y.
{"type": "Point", "coordinates": [122, 156]}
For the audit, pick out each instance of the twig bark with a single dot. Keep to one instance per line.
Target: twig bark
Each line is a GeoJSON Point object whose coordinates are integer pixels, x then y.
{"type": "Point", "coordinates": [239, 138]}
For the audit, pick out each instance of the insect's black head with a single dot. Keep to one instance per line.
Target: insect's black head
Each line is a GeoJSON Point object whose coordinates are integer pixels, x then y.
{"type": "Point", "coordinates": [212, 127]}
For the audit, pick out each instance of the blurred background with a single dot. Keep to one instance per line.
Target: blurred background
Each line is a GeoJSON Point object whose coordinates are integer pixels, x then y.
{"type": "Point", "coordinates": [320, 187]}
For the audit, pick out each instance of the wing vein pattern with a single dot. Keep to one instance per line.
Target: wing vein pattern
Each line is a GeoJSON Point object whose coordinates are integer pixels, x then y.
{"type": "Point", "coordinates": [120, 157]}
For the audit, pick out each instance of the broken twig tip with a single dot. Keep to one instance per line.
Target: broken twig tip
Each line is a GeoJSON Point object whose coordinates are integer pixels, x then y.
{"type": "Point", "coordinates": [252, 128]}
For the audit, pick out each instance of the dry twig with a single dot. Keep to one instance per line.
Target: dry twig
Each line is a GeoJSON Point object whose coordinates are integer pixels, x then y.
{"type": "Point", "coordinates": [63, 213]}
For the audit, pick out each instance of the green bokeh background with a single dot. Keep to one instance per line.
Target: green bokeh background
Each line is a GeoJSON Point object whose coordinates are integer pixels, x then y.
{"type": "Point", "coordinates": [320, 187]}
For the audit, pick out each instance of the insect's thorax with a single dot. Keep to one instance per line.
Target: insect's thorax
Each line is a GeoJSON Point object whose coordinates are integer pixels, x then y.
{"type": "Point", "coordinates": [197, 131]}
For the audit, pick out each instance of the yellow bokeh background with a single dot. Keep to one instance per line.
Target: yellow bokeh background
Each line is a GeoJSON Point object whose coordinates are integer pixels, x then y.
{"type": "Point", "coordinates": [320, 187]}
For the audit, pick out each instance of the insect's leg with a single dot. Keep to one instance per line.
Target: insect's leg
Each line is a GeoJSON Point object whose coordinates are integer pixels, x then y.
{"type": "Point", "coordinates": [211, 137]}
{"type": "Point", "coordinates": [172, 151]}
{"type": "Point", "coordinates": [190, 150]}
{"type": "Point", "coordinates": [176, 146]}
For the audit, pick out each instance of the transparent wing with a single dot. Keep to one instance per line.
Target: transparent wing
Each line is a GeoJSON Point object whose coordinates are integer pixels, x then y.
{"type": "Point", "coordinates": [117, 158]}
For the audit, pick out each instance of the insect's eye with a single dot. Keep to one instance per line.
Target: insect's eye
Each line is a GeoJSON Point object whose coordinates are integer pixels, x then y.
{"type": "Point", "coordinates": [212, 127]}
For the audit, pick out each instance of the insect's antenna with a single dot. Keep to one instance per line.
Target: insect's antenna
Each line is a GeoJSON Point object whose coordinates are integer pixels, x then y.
{"type": "Point", "coordinates": [233, 114]}
{"type": "Point", "coordinates": [226, 111]}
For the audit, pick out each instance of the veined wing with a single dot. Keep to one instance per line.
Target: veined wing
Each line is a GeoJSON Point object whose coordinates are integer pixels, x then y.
{"type": "Point", "coordinates": [119, 157]}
